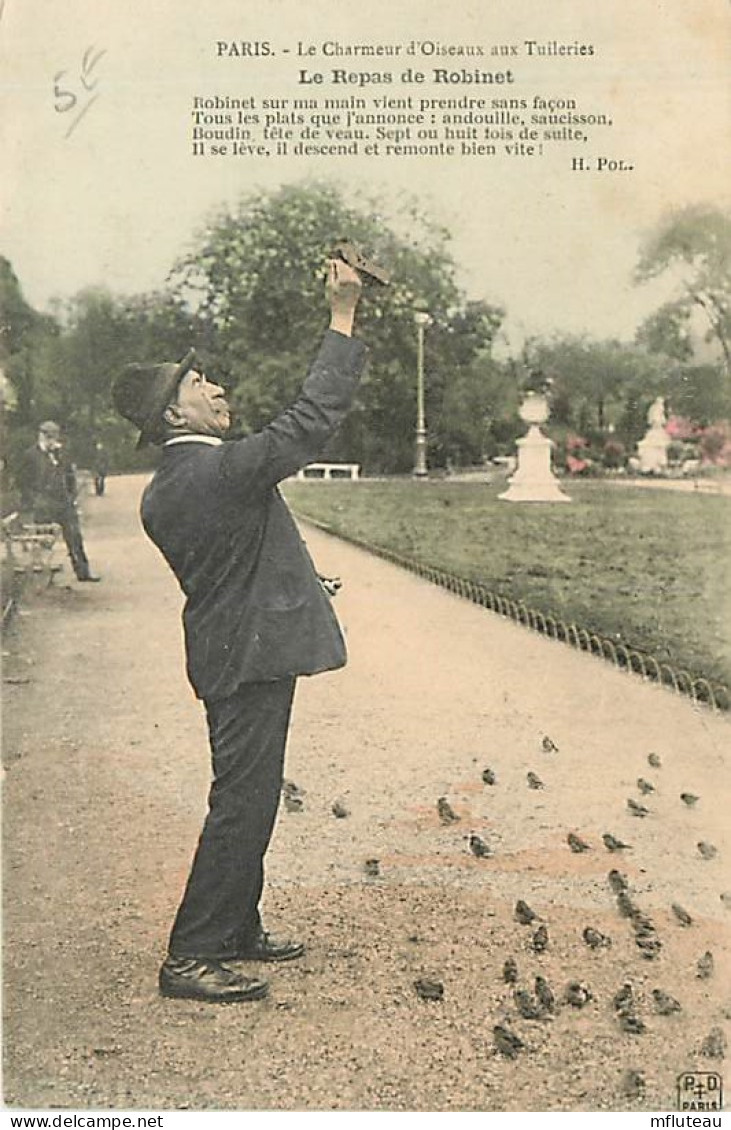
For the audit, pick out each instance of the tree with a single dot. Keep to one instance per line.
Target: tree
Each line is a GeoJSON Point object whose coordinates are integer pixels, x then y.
{"type": "Point", "coordinates": [255, 277]}
{"type": "Point", "coordinates": [694, 245]}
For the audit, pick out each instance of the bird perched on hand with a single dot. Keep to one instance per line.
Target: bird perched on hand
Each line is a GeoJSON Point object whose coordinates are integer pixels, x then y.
{"type": "Point", "coordinates": [577, 995]}
{"type": "Point", "coordinates": [611, 843]}
{"type": "Point", "coordinates": [526, 1005]}
{"type": "Point", "coordinates": [576, 844]}
{"type": "Point", "coordinates": [644, 786]}
{"type": "Point", "coordinates": [545, 997]}
{"type": "Point", "coordinates": [548, 745]}
{"type": "Point", "coordinates": [624, 1000]}
{"type": "Point", "coordinates": [637, 809]}
{"type": "Point", "coordinates": [339, 810]}
{"type": "Point", "coordinates": [682, 915]}
{"type": "Point", "coordinates": [447, 815]}
{"type": "Point", "coordinates": [510, 971]}
{"type": "Point", "coordinates": [704, 966]}
{"type": "Point", "coordinates": [534, 781]}
{"type": "Point", "coordinates": [524, 914]}
{"type": "Point", "coordinates": [506, 1042]}
{"type": "Point", "coordinates": [689, 799]}
{"type": "Point", "coordinates": [665, 1005]}
{"type": "Point", "coordinates": [478, 847]}
{"type": "Point", "coordinates": [539, 941]}
{"type": "Point", "coordinates": [488, 777]}
{"type": "Point", "coordinates": [708, 851]}
{"type": "Point", "coordinates": [429, 990]}
{"type": "Point", "coordinates": [617, 881]}
{"type": "Point", "coordinates": [594, 939]}
{"type": "Point", "coordinates": [633, 1085]}
{"type": "Point", "coordinates": [653, 759]}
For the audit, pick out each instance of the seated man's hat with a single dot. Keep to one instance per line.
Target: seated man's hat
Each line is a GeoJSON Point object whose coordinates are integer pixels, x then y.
{"type": "Point", "coordinates": [141, 393]}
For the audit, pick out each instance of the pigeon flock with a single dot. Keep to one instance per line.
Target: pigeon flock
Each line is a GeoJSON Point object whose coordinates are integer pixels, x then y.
{"type": "Point", "coordinates": [532, 997]}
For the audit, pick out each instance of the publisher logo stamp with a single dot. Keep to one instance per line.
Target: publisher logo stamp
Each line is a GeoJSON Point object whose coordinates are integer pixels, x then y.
{"type": "Point", "coordinates": [700, 1090]}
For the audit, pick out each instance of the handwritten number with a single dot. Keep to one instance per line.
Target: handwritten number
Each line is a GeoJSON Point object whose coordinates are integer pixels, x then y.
{"type": "Point", "coordinates": [65, 99]}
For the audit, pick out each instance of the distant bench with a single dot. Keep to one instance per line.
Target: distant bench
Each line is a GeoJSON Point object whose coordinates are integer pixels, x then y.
{"type": "Point", "coordinates": [35, 541]}
{"type": "Point", "coordinates": [320, 471]}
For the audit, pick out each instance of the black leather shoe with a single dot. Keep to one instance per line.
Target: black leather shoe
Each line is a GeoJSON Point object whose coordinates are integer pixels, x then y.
{"type": "Point", "coordinates": [265, 947]}
{"type": "Point", "coordinates": [203, 980]}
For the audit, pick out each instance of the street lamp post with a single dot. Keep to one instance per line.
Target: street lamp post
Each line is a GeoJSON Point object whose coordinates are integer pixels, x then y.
{"type": "Point", "coordinates": [422, 320]}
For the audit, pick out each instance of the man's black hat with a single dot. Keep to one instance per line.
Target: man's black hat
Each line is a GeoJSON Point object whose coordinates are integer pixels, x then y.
{"type": "Point", "coordinates": [141, 393]}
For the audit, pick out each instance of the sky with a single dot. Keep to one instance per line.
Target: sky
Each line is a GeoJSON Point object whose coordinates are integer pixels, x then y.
{"type": "Point", "coordinates": [113, 195]}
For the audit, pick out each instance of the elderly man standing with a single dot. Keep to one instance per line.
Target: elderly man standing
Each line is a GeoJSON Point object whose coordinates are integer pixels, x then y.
{"type": "Point", "coordinates": [256, 617]}
{"type": "Point", "coordinates": [48, 490]}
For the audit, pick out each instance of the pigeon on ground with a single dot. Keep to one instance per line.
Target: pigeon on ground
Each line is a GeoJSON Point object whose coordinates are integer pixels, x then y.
{"type": "Point", "coordinates": [633, 1085]}
{"type": "Point", "coordinates": [524, 914]}
{"type": "Point", "coordinates": [631, 1023]}
{"type": "Point", "coordinates": [293, 803]}
{"type": "Point", "coordinates": [339, 810]}
{"type": "Point", "coordinates": [642, 925]}
{"type": "Point", "coordinates": [548, 745]}
{"type": "Point", "coordinates": [704, 966]}
{"type": "Point", "coordinates": [617, 881]}
{"type": "Point", "coordinates": [576, 844]}
{"type": "Point", "coordinates": [510, 971]}
{"type": "Point", "coordinates": [708, 851]}
{"type": "Point", "coordinates": [689, 799]}
{"type": "Point", "coordinates": [478, 847]}
{"type": "Point", "coordinates": [611, 843]}
{"type": "Point", "coordinates": [594, 939]}
{"type": "Point", "coordinates": [447, 815]}
{"type": "Point", "coordinates": [649, 947]}
{"type": "Point", "coordinates": [539, 941]}
{"type": "Point", "coordinates": [534, 781]}
{"type": "Point", "coordinates": [665, 1005]}
{"type": "Point", "coordinates": [714, 1045]}
{"type": "Point", "coordinates": [577, 995]}
{"type": "Point", "coordinates": [290, 789]}
{"type": "Point", "coordinates": [682, 915]}
{"type": "Point", "coordinates": [725, 898]}
{"type": "Point", "coordinates": [506, 1042]}
{"type": "Point", "coordinates": [526, 1005]}
{"type": "Point", "coordinates": [429, 990]}
{"type": "Point", "coordinates": [624, 999]}
{"type": "Point", "coordinates": [488, 777]}
{"type": "Point", "coordinates": [637, 809]}
{"type": "Point", "coordinates": [653, 759]}
{"type": "Point", "coordinates": [644, 786]}
{"type": "Point", "coordinates": [372, 867]}
{"type": "Point", "coordinates": [625, 906]}
{"type": "Point", "coordinates": [545, 995]}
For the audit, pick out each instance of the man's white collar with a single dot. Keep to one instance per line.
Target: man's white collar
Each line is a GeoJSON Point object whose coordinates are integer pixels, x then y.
{"type": "Point", "coordinates": [214, 441]}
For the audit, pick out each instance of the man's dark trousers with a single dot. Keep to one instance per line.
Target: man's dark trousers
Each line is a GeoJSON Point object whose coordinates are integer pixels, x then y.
{"type": "Point", "coordinates": [248, 731]}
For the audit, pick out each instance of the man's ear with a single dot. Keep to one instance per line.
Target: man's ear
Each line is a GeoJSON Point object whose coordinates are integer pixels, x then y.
{"type": "Point", "coordinates": [172, 416]}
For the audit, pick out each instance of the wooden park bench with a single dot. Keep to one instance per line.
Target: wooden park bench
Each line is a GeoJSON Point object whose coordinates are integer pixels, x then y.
{"type": "Point", "coordinates": [29, 546]}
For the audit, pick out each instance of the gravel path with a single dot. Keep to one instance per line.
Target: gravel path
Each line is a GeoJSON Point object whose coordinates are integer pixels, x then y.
{"type": "Point", "coordinates": [105, 782]}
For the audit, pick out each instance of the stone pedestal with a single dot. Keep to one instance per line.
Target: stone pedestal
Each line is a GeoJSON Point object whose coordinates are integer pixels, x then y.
{"type": "Point", "coordinates": [534, 481]}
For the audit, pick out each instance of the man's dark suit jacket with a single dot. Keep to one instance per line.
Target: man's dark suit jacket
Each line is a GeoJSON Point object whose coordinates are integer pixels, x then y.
{"type": "Point", "coordinates": [255, 609]}
{"type": "Point", "coordinates": [48, 485]}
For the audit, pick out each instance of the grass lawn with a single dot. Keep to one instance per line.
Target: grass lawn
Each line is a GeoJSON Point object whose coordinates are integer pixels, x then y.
{"type": "Point", "coordinates": [650, 569]}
